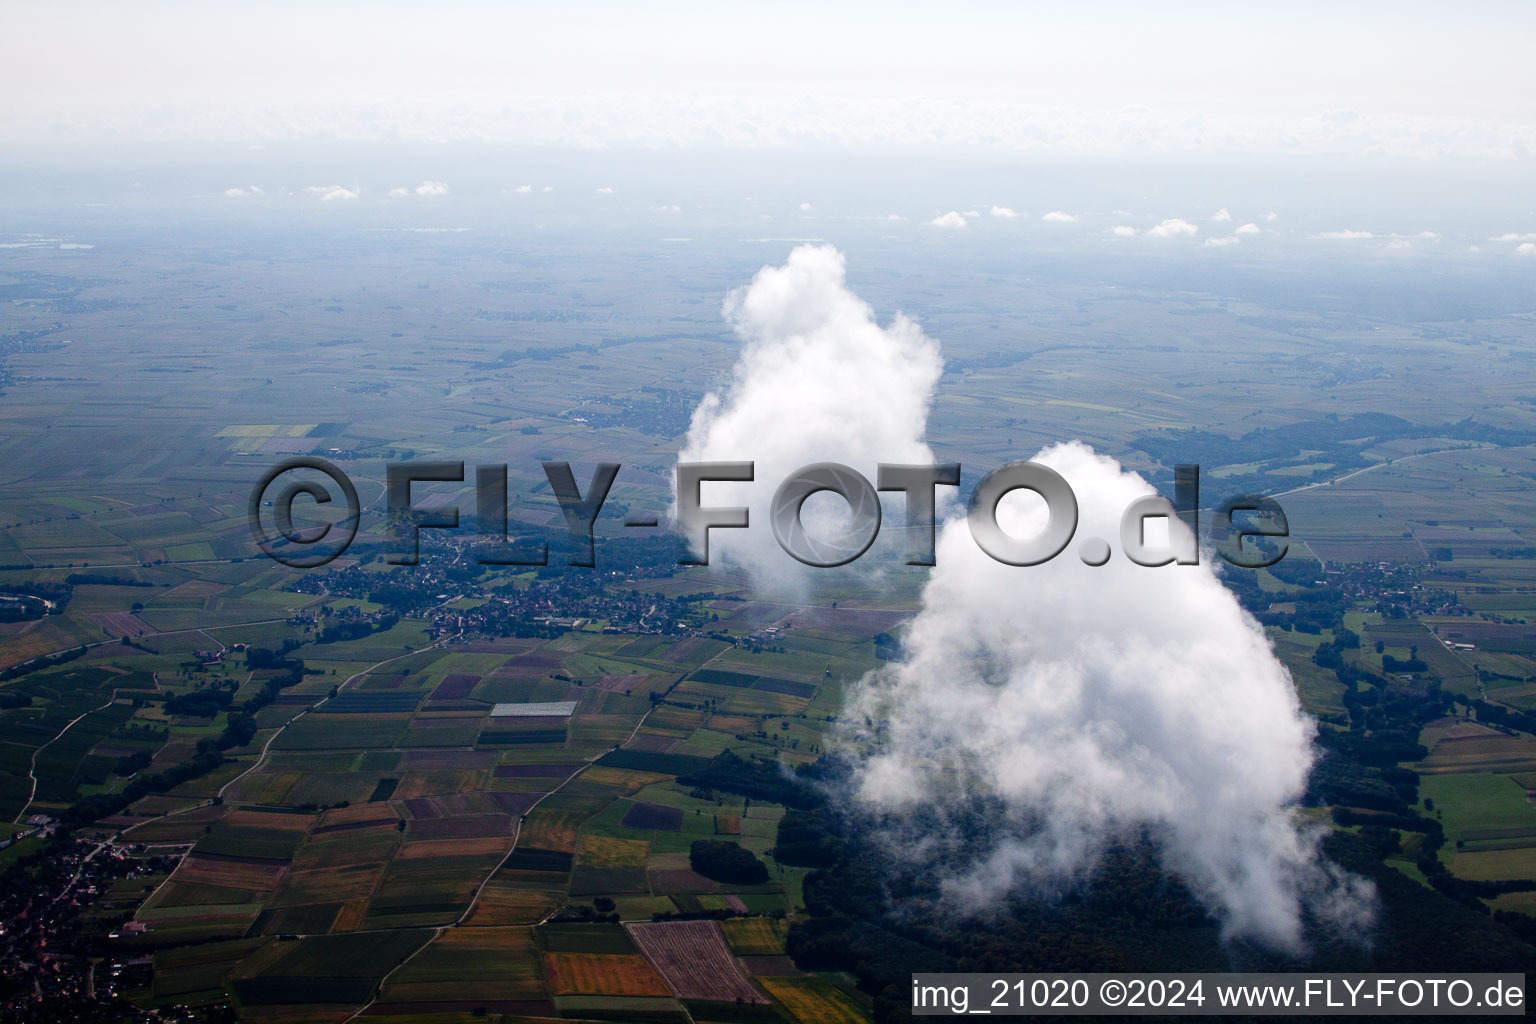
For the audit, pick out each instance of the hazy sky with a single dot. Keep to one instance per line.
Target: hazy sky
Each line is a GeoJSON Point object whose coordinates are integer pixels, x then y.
{"type": "Point", "coordinates": [1396, 78]}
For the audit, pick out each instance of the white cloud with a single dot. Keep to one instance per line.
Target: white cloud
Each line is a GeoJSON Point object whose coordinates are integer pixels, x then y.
{"type": "Point", "coordinates": [332, 193]}
{"type": "Point", "coordinates": [1248, 229]}
{"type": "Point", "coordinates": [1090, 705]}
{"type": "Point", "coordinates": [970, 213]}
{"type": "Point", "coordinates": [1174, 227]}
{"type": "Point", "coordinates": [1271, 217]}
{"type": "Point", "coordinates": [240, 193]}
{"type": "Point", "coordinates": [605, 191]}
{"type": "Point", "coordinates": [1093, 705]}
{"type": "Point", "coordinates": [426, 188]}
{"type": "Point", "coordinates": [669, 208]}
{"type": "Point", "coordinates": [1346, 235]}
{"type": "Point", "coordinates": [1401, 242]}
{"type": "Point", "coordinates": [1514, 237]}
{"type": "Point", "coordinates": [818, 379]}
{"type": "Point", "coordinates": [1003, 212]}
{"type": "Point", "coordinates": [1221, 215]}
{"type": "Point", "coordinates": [952, 219]}
{"type": "Point", "coordinates": [805, 207]}
{"type": "Point", "coordinates": [548, 188]}
{"type": "Point", "coordinates": [1123, 231]}
{"type": "Point", "coordinates": [1526, 249]}
{"type": "Point", "coordinates": [523, 188]}
{"type": "Point", "coordinates": [1057, 217]}
{"type": "Point", "coordinates": [1219, 243]}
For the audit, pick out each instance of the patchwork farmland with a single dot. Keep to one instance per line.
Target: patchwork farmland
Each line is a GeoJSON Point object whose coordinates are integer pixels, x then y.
{"type": "Point", "coordinates": [391, 791]}
{"type": "Point", "coordinates": [444, 827]}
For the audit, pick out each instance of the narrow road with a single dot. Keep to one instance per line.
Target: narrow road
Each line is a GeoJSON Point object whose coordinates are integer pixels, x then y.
{"type": "Point", "coordinates": [168, 632]}
{"type": "Point", "coordinates": [261, 758]}
{"type": "Point", "coordinates": [104, 844]}
{"type": "Point", "coordinates": [32, 768]}
{"type": "Point", "coordinates": [1391, 462]}
{"type": "Point", "coordinates": [469, 908]}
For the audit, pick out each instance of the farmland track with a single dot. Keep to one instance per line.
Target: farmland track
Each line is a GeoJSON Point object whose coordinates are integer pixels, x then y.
{"type": "Point", "coordinates": [469, 908]}
{"type": "Point", "coordinates": [175, 632]}
{"type": "Point", "coordinates": [264, 747]}
{"type": "Point", "coordinates": [32, 768]}
{"type": "Point", "coordinates": [146, 636]}
{"type": "Point", "coordinates": [437, 931]}
{"type": "Point", "coordinates": [1394, 462]}
{"type": "Point", "coordinates": [262, 757]}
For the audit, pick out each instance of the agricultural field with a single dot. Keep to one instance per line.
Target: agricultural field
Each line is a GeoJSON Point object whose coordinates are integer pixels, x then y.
{"type": "Point", "coordinates": [693, 958]}
{"type": "Point", "coordinates": [814, 1001]}
{"type": "Point", "coordinates": [445, 789]}
{"type": "Point", "coordinates": [373, 798]}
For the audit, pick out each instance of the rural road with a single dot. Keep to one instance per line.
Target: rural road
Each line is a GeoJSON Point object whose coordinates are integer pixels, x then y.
{"type": "Point", "coordinates": [469, 908]}
{"type": "Point", "coordinates": [32, 767]}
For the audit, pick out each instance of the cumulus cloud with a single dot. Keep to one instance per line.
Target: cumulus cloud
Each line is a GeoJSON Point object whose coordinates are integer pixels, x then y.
{"type": "Point", "coordinates": [1407, 241]}
{"type": "Point", "coordinates": [1526, 249]}
{"type": "Point", "coordinates": [548, 188]}
{"type": "Point", "coordinates": [1511, 236]}
{"type": "Point", "coordinates": [1345, 235]}
{"type": "Point", "coordinates": [242, 193]}
{"type": "Point", "coordinates": [669, 208]}
{"type": "Point", "coordinates": [818, 380]}
{"type": "Point", "coordinates": [970, 213]}
{"type": "Point", "coordinates": [1248, 229]}
{"type": "Point", "coordinates": [605, 191]}
{"type": "Point", "coordinates": [1271, 217]}
{"type": "Point", "coordinates": [1090, 705]}
{"type": "Point", "coordinates": [426, 188]}
{"type": "Point", "coordinates": [1123, 231]}
{"type": "Point", "coordinates": [1003, 212]}
{"type": "Point", "coordinates": [805, 207]}
{"type": "Point", "coordinates": [1174, 227]}
{"type": "Point", "coordinates": [1058, 217]}
{"type": "Point", "coordinates": [952, 219]}
{"type": "Point", "coordinates": [332, 193]}
{"type": "Point", "coordinates": [1222, 242]}
{"type": "Point", "coordinates": [523, 188]}
{"type": "Point", "coordinates": [1221, 215]}
{"type": "Point", "coordinates": [1084, 705]}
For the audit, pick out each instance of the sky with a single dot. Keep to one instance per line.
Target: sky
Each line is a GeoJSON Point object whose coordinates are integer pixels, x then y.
{"type": "Point", "coordinates": [1110, 79]}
